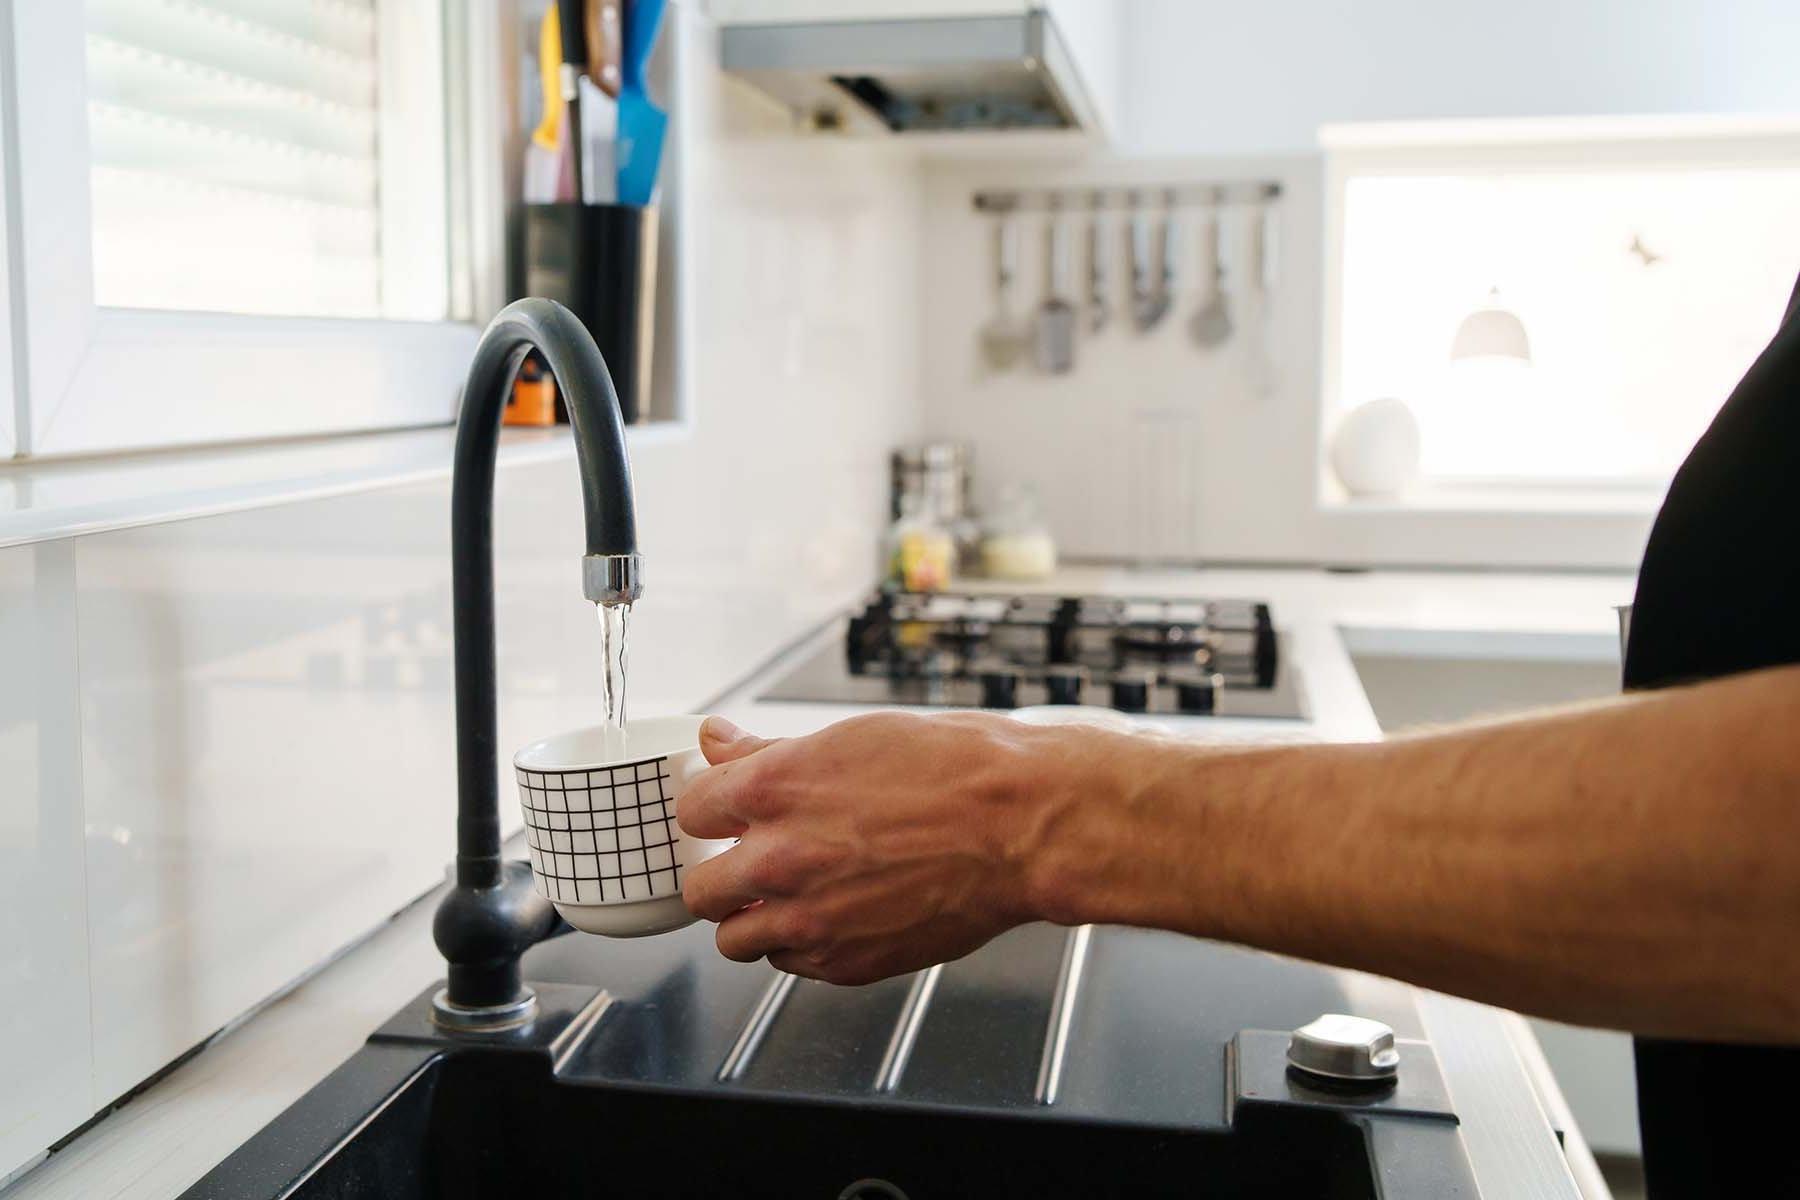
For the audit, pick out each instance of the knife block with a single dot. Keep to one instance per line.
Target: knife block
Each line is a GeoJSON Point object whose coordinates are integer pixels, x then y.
{"type": "Point", "coordinates": [599, 261]}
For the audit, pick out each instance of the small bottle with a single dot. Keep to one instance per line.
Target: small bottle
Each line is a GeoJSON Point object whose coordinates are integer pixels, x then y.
{"type": "Point", "coordinates": [920, 552]}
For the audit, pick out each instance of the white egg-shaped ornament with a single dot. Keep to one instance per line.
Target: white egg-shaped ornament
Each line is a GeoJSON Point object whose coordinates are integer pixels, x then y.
{"type": "Point", "coordinates": [1375, 448]}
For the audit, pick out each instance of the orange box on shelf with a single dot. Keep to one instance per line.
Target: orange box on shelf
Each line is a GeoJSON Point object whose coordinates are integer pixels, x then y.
{"type": "Point", "coordinates": [533, 399]}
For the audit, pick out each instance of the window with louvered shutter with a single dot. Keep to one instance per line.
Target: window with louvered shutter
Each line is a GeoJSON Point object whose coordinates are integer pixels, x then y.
{"type": "Point", "coordinates": [262, 157]}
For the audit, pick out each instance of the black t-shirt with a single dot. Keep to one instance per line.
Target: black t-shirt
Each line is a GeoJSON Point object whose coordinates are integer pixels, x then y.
{"type": "Point", "coordinates": [1719, 593]}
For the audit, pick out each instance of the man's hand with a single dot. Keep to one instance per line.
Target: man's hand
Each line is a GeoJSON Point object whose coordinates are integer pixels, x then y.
{"type": "Point", "coordinates": [879, 845]}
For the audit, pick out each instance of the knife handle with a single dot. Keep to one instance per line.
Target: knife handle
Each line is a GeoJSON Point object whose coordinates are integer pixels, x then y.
{"type": "Point", "coordinates": [574, 40]}
{"type": "Point", "coordinates": [604, 29]}
{"type": "Point", "coordinates": [641, 19]}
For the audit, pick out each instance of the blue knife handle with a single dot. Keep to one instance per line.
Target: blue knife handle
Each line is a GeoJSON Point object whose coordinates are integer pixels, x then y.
{"type": "Point", "coordinates": [643, 18]}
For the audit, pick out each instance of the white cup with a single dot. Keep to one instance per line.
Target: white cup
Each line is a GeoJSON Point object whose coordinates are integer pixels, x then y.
{"type": "Point", "coordinates": [600, 822]}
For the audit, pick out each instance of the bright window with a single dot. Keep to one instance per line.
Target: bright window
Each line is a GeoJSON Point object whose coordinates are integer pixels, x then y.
{"type": "Point", "coordinates": [1646, 271]}
{"type": "Point", "coordinates": [239, 163]}
{"type": "Point", "coordinates": [241, 219]}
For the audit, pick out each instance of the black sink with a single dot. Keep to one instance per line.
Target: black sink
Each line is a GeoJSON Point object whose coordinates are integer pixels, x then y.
{"type": "Point", "coordinates": [646, 1089]}
{"type": "Point", "coordinates": [481, 1126]}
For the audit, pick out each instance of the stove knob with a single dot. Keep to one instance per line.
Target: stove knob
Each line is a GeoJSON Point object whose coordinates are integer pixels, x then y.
{"type": "Point", "coordinates": [1131, 690]}
{"type": "Point", "coordinates": [1063, 681]}
{"type": "Point", "coordinates": [937, 664]}
{"type": "Point", "coordinates": [1199, 693]}
{"type": "Point", "coordinates": [1205, 652]}
{"type": "Point", "coordinates": [1000, 686]}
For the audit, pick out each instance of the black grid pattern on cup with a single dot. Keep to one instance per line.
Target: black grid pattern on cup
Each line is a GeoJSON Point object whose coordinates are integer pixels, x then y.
{"type": "Point", "coordinates": [602, 835]}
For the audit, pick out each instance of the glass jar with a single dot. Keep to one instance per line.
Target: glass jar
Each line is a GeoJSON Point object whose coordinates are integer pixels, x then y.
{"type": "Point", "coordinates": [921, 554]}
{"type": "Point", "coordinates": [1017, 544]}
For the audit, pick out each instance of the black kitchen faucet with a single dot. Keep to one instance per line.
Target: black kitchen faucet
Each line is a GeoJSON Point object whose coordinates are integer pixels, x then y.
{"type": "Point", "coordinates": [493, 915]}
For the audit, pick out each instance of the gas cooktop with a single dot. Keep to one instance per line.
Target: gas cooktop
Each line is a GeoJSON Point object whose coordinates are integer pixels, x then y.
{"type": "Point", "coordinates": [1195, 657]}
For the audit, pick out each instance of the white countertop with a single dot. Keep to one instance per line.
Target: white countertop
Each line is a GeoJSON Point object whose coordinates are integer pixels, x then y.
{"type": "Point", "coordinates": [1326, 617]}
{"type": "Point", "coordinates": [1456, 614]}
{"type": "Point", "coordinates": [52, 498]}
{"type": "Point", "coordinates": [174, 1131]}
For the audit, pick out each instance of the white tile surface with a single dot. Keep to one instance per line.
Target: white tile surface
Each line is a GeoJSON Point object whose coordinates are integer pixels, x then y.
{"type": "Point", "coordinates": [45, 1083]}
{"type": "Point", "coordinates": [265, 711]}
{"type": "Point", "coordinates": [168, 1137]}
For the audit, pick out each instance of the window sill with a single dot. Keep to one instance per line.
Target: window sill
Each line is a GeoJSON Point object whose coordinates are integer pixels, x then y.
{"type": "Point", "coordinates": [1429, 498]}
{"type": "Point", "coordinates": [1489, 526]}
{"type": "Point", "coordinates": [45, 500]}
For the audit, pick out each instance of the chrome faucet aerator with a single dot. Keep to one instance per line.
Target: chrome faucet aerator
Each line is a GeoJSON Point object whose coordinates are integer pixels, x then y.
{"type": "Point", "coordinates": [612, 579]}
{"type": "Point", "coordinates": [493, 915]}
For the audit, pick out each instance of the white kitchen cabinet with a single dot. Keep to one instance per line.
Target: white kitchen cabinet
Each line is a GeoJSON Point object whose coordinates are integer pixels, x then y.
{"type": "Point", "coordinates": [761, 12]}
{"type": "Point", "coordinates": [937, 51]}
{"type": "Point", "coordinates": [1091, 32]}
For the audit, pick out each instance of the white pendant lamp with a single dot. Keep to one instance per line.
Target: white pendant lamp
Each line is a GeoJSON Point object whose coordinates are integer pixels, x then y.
{"type": "Point", "coordinates": [1491, 331]}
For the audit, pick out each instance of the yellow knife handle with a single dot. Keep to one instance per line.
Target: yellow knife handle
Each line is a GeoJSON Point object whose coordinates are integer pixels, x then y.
{"type": "Point", "coordinates": [548, 133]}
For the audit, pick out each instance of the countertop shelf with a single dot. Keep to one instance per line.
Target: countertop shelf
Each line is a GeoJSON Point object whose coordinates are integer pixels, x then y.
{"type": "Point", "coordinates": [43, 500]}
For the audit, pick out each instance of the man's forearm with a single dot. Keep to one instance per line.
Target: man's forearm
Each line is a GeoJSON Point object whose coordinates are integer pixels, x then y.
{"type": "Point", "coordinates": [1634, 863]}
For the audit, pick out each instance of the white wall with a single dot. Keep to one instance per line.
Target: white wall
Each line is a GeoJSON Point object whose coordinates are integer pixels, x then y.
{"type": "Point", "coordinates": [1093, 31]}
{"type": "Point", "coordinates": [1229, 77]}
{"type": "Point", "coordinates": [1215, 89]}
{"type": "Point", "coordinates": [1148, 422]}
{"type": "Point", "coordinates": [1073, 438]}
{"type": "Point", "coordinates": [231, 751]}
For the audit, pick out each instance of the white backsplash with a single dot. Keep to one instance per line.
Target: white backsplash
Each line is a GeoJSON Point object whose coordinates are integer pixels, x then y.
{"type": "Point", "coordinates": [1146, 422]}
{"type": "Point", "coordinates": [46, 1060]}
{"type": "Point", "coordinates": [1155, 447]}
{"type": "Point", "coordinates": [226, 743]}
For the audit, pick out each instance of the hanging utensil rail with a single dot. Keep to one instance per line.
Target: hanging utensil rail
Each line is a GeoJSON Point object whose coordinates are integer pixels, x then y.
{"type": "Point", "coordinates": [1112, 196]}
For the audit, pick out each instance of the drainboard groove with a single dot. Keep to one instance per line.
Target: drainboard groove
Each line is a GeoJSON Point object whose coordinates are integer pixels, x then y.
{"type": "Point", "coordinates": [906, 1029]}
{"type": "Point", "coordinates": [756, 1028]}
{"type": "Point", "coordinates": [1062, 1013]}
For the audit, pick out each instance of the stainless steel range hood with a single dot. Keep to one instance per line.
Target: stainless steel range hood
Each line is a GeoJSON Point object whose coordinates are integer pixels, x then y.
{"type": "Point", "coordinates": [928, 74]}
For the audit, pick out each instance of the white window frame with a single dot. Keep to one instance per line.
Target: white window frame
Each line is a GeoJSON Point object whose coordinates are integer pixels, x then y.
{"type": "Point", "coordinates": [1511, 147]}
{"type": "Point", "coordinates": [95, 380]}
{"type": "Point", "coordinates": [1540, 524]}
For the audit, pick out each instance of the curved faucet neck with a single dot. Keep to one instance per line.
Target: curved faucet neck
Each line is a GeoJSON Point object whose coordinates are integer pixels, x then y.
{"type": "Point", "coordinates": [473, 933]}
